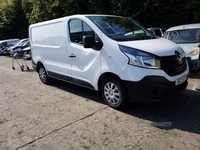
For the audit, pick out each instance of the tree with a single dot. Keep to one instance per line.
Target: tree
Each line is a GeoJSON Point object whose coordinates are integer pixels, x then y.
{"type": "Point", "coordinates": [168, 13]}
{"type": "Point", "coordinates": [16, 15]}
{"type": "Point", "coordinates": [14, 23]}
{"type": "Point", "coordinates": [192, 8]}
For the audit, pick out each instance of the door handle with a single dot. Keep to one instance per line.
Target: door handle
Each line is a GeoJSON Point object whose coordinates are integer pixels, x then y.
{"type": "Point", "coordinates": [72, 56]}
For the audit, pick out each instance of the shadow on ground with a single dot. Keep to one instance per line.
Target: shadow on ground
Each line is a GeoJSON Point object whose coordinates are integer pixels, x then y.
{"type": "Point", "coordinates": [78, 90]}
{"type": "Point", "coordinates": [183, 111]}
{"type": "Point", "coordinates": [195, 75]}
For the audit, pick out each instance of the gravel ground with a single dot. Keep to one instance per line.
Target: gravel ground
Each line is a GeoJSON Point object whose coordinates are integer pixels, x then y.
{"type": "Point", "coordinates": [62, 116]}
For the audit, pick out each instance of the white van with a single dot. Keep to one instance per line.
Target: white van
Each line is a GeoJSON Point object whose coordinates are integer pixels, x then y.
{"type": "Point", "coordinates": [111, 54]}
{"type": "Point", "coordinates": [188, 37]}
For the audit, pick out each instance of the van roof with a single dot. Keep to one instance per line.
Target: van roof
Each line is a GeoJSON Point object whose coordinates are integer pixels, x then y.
{"type": "Point", "coordinates": [77, 15]}
{"type": "Point", "coordinates": [186, 26]}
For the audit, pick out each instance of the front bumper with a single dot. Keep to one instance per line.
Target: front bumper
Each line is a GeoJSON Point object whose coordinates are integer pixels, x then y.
{"type": "Point", "coordinates": [153, 89]}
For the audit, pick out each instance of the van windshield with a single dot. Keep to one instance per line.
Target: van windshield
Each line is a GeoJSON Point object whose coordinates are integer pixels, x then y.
{"type": "Point", "coordinates": [121, 29]}
{"type": "Point", "coordinates": [184, 36]}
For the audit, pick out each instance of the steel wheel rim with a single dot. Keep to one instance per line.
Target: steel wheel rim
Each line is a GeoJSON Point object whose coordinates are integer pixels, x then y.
{"type": "Point", "coordinates": [112, 93]}
{"type": "Point", "coordinates": [42, 74]}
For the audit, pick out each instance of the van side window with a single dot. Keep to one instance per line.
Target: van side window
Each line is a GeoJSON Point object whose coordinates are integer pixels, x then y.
{"type": "Point", "coordinates": [76, 33]}
{"type": "Point", "coordinates": [78, 29]}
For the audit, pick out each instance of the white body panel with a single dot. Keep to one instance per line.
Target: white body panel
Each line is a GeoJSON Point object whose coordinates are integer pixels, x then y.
{"type": "Point", "coordinates": [159, 47]}
{"type": "Point", "coordinates": [137, 73]}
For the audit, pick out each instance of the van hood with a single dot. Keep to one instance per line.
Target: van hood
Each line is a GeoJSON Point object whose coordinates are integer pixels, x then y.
{"type": "Point", "coordinates": [159, 47]}
{"type": "Point", "coordinates": [187, 47]}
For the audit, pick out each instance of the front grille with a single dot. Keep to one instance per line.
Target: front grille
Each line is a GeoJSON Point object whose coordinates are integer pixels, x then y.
{"type": "Point", "coordinates": [171, 65]}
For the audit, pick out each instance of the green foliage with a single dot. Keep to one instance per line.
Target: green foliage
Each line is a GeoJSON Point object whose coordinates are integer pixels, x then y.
{"type": "Point", "coordinates": [13, 21]}
{"type": "Point", "coordinates": [4, 3]}
{"type": "Point", "coordinates": [193, 10]}
{"type": "Point", "coordinates": [16, 15]}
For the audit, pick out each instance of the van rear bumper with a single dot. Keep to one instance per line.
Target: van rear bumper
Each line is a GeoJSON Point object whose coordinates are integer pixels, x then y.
{"type": "Point", "coordinates": [153, 89]}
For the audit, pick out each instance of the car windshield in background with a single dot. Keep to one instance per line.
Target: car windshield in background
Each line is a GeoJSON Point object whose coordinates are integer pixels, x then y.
{"type": "Point", "coordinates": [121, 29]}
{"type": "Point", "coordinates": [183, 36]}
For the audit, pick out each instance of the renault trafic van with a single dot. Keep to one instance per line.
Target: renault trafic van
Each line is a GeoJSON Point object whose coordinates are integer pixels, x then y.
{"type": "Point", "coordinates": [111, 54]}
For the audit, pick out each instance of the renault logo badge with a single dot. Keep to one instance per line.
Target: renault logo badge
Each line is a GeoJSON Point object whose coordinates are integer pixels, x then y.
{"type": "Point", "coordinates": [179, 57]}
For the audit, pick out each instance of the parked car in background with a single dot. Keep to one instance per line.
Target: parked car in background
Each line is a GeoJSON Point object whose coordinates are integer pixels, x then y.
{"type": "Point", "coordinates": [188, 37]}
{"type": "Point", "coordinates": [27, 53]}
{"type": "Point", "coordinates": [158, 31]}
{"type": "Point", "coordinates": [20, 47]}
{"type": "Point", "coordinates": [1, 51]}
{"type": "Point", "coordinates": [17, 44]}
{"type": "Point", "coordinates": [6, 43]}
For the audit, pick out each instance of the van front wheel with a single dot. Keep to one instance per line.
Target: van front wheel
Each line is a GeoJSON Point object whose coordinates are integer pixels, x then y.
{"type": "Point", "coordinates": [45, 79]}
{"type": "Point", "coordinates": [114, 93]}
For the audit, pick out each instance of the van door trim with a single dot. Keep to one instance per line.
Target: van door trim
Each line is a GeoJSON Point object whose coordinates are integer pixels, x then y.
{"type": "Point", "coordinates": [70, 79]}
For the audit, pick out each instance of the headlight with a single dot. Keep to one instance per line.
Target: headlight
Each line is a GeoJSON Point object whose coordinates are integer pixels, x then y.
{"type": "Point", "coordinates": [140, 58]}
{"type": "Point", "coordinates": [193, 52]}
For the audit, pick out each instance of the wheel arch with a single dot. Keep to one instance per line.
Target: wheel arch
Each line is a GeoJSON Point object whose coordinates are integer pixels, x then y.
{"type": "Point", "coordinates": [106, 75]}
{"type": "Point", "coordinates": [38, 64]}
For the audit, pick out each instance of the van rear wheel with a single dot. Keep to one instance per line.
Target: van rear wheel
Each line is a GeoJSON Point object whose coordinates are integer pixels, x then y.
{"type": "Point", "coordinates": [114, 93]}
{"type": "Point", "coordinates": [45, 79]}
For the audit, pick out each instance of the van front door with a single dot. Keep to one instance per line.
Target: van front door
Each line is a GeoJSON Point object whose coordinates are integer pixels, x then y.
{"type": "Point", "coordinates": [85, 63]}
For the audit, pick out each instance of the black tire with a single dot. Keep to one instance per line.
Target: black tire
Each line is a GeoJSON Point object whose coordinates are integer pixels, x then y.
{"type": "Point", "coordinates": [197, 66]}
{"type": "Point", "coordinates": [114, 93]}
{"type": "Point", "coordinates": [44, 78]}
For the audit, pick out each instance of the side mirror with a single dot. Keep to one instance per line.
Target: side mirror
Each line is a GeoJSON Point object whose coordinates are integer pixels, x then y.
{"type": "Point", "coordinates": [88, 41]}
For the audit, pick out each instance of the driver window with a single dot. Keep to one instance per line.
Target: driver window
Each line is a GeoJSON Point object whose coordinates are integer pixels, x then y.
{"type": "Point", "coordinates": [76, 33]}
{"type": "Point", "coordinates": [78, 29]}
